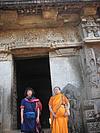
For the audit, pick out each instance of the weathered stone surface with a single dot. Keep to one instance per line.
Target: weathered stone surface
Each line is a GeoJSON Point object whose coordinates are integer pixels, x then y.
{"type": "Point", "coordinates": [89, 11]}
{"type": "Point", "coordinates": [91, 29]}
{"type": "Point", "coordinates": [52, 38]}
{"type": "Point", "coordinates": [50, 14]}
{"type": "Point", "coordinates": [66, 73]}
{"type": "Point", "coordinates": [75, 70]}
{"type": "Point", "coordinates": [69, 18]}
{"type": "Point", "coordinates": [6, 85]}
{"type": "Point", "coordinates": [8, 16]}
{"type": "Point", "coordinates": [32, 19]}
{"type": "Point", "coordinates": [92, 90]}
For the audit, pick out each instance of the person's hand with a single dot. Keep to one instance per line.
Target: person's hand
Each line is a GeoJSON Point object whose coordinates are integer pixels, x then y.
{"type": "Point", "coordinates": [37, 120]}
{"type": "Point", "coordinates": [66, 114]}
{"type": "Point", "coordinates": [54, 115]}
{"type": "Point", "coordinates": [22, 121]}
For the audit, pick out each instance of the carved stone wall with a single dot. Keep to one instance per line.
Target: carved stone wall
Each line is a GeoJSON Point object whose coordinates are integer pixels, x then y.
{"type": "Point", "coordinates": [55, 37]}
{"type": "Point", "coordinates": [92, 89]}
{"type": "Point", "coordinates": [68, 36]}
{"type": "Point", "coordinates": [91, 28]}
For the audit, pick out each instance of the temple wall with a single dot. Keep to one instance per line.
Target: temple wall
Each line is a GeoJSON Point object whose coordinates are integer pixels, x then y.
{"type": "Point", "coordinates": [50, 37]}
{"type": "Point", "coordinates": [73, 51]}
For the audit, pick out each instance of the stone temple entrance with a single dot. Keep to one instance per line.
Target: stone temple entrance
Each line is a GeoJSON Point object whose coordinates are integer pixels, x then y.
{"type": "Point", "coordinates": [35, 73]}
{"type": "Point", "coordinates": [43, 73]}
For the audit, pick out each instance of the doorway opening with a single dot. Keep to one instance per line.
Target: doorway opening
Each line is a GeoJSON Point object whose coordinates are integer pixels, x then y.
{"type": "Point", "coordinates": [35, 73]}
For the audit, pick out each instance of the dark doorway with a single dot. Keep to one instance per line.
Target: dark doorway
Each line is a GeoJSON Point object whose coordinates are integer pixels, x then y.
{"type": "Point", "coordinates": [35, 73]}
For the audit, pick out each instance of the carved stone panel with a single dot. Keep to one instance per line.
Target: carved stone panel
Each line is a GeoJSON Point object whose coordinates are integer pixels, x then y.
{"type": "Point", "coordinates": [92, 102]}
{"type": "Point", "coordinates": [52, 38]}
{"type": "Point", "coordinates": [92, 123]}
{"type": "Point", "coordinates": [91, 72]}
{"type": "Point", "coordinates": [91, 29]}
{"type": "Point", "coordinates": [93, 127]}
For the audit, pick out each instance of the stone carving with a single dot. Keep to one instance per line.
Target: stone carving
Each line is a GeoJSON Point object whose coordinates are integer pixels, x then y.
{"type": "Point", "coordinates": [91, 28]}
{"type": "Point", "coordinates": [89, 114]}
{"type": "Point", "coordinates": [39, 38]}
{"type": "Point", "coordinates": [89, 103]}
{"type": "Point", "coordinates": [73, 94]}
{"type": "Point", "coordinates": [93, 127]}
{"type": "Point", "coordinates": [92, 87]}
{"type": "Point", "coordinates": [92, 109]}
{"type": "Point", "coordinates": [98, 69]}
{"type": "Point", "coordinates": [92, 75]}
{"type": "Point", "coordinates": [97, 56]}
{"type": "Point", "coordinates": [5, 57]}
{"type": "Point", "coordinates": [91, 69]}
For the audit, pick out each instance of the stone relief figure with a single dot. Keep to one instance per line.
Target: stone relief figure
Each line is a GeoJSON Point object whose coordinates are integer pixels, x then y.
{"type": "Point", "coordinates": [91, 28]}
{"type": "Point", "coordinates": [73, 94]}
{"type": "Point", "coordinates": [96, 31]}
{"type": "Point", "coordinates": [89, 32]}
{"type": "Point", "coordinates": [91, 68]}
{"type": "Point", "coordinates": [98, 69]}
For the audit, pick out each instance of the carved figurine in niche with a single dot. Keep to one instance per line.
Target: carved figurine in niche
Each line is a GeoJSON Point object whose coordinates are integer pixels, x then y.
{"type": "Point", "coordinates": [89, 32]}
{"type": "Point", "coordinates": [73, 94]}
{"type": "Point", "coordinates": [98, 64]}
{"type": "Point", "coordinates": [96, 31]}
{"type": "Point", "coordinates": [90, 55]}
{"type": "Point", "coordinates": [91, 28]}
{"type": "Point", "coordinates": [91, 69]}
{"type": "Point", "coordinates": [91, 74]}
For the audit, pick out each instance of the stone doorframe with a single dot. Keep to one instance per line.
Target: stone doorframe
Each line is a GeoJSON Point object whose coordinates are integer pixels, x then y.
{"type": "Point", "coordinates": [8, 82]}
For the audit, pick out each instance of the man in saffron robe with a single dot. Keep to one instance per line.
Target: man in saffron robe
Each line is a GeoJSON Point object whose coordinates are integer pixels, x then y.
{"type": "Point", "coordinates": [59, 111]}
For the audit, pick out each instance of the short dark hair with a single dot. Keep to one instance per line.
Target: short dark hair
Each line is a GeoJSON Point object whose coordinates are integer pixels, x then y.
{"type": "Point", "coordinates": [29, 89]}
{"type": "Point", "coordinates": [57, 87]}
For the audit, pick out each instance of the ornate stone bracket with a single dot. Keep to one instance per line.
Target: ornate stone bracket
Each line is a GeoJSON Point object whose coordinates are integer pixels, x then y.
{"type": "Point", "coordinates": [91, 29]}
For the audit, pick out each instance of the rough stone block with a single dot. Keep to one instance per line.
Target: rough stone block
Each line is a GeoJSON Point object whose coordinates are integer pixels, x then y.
{"type": "Point", "coordinates": [8, 16]}
{"type": "Point", "coordinates": [50, 14]}
{"type": "Point", "coordinates": [89, 11]}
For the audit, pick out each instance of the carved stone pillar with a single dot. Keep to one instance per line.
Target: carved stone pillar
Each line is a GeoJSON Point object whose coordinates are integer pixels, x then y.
{"type": "Point", "coordinates": [6, 69]}
{"type": "Point", "coordinates": [91, 85]}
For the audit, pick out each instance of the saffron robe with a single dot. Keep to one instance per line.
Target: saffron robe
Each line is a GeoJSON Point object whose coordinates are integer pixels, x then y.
{"type": "Point", "coordinates": [60, 123]}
